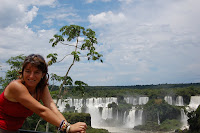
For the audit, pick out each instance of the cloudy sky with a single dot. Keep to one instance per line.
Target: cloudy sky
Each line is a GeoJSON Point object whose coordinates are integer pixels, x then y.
{"type": "Point", "coordinates": [142, 41]}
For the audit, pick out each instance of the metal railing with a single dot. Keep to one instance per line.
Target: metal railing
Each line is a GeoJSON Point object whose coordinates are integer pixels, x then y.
{"type": "Point", "coordinates": [29, 131]}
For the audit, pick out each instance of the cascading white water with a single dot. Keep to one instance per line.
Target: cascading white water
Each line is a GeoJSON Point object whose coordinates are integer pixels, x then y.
{"type": "Point", "coordinates": [143, 100]}
{"type": "Point", "coordinates": [132, 100]}
{"type": "Point", "coordinates": [130, 119]}
{"type": "Point", "coordinates": [158, 118]}
{"type": "Point", "coordinates": [184, 119]}
{"type": "Point", "coordinates": [99, 111]}
{"type": "Point", "coordinates": [107, 113]}
{"type": "Point", "coordinates": [124, 118]}
{"type": "Point", "coordinates": [136, 100]}
{"type": "Point", "coordinates": [168, 99]}
{"type": "Point", "coordinates": [138, 118]}
{"type": "Point", "coordinates": [93, 105]}
{"type": "Point", "coordinates": [194, 102]}
{"type": "Point", "coordinates": [179, 101]}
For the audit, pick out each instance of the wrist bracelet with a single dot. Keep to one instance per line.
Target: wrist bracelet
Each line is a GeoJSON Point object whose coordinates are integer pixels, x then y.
{"type": "Point", "coordinates": [68, 128]}
{"type": "Point", "coordinates": [63, 125]}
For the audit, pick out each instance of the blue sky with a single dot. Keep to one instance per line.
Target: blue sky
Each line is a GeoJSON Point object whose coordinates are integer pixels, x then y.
{"type": "Point", "coordinates": [142, 41]}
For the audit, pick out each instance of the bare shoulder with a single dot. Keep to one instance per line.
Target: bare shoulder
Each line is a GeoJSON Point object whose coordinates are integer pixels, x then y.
{"type": "Point", "coordinates": [16, 85]}
{"type": "Point", "coordinates": [14, 88]}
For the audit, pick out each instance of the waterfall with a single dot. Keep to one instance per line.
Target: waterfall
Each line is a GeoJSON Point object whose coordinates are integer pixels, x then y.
{"type": "Point", "coordinates": [130, 119]}
{"type": "Point", "coordinates": [179, 101]}
{"type": "Point", "coordinates": [134, 118]}
{"type": "Point", "coordinates": [194, 102]}
{"type": "Point", "coordinates": [124, 118]}
{"type": "Point", "coordinates": [100, 113]}
{"type": "Point", "coordinates": [94, 112]}
{"type": "Point", "coordinates": [143, 100]}
{"type": "Point", "coordinates": [136, 100]}
{"type": "Point", "coordinates": [131, 100]}
{"type": "Point", "coordinates": [61, 105]}
{"type": "Point", "coordinates": [117, 116]}
{"type": "Point", "coordinates": [158, 118]}
{"type": "Point", "coordinates": [138, 118]}
{"type": "Point", "coordinates": [168, 99]}
{"type": "Point", "coordinates": [184, 119]}
{"type": "Point", "coordinates": [107, 113]}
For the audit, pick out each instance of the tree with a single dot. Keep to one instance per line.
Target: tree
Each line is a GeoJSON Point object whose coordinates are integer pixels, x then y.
{"type": "Point", "coordinates": [194, 120]}
{"type": "Point", "coordinates": [74, 33]}
{"type": "Point", "coordinates": [15, 67]}
{"type": "Point", "coordinates": [82, 48]}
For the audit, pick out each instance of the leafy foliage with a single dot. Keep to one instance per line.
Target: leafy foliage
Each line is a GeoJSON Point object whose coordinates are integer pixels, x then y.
{"type": "Point", "coordinates": [82, 48]}
{"type": "Point", "coordinates": [159, 107]}
{"type": "Point", "coordinates": [75, 117]}
{"type": "Point", "coordinates": [160, 116]}
{"type": "Point", "coordinates": [13, 73]}
{"type": "Point", "coordinates": [194, 121]}
{"type": "Point", "coordinates": [74, 32]}
{"type": "Point", "coordinates": [167, 125]}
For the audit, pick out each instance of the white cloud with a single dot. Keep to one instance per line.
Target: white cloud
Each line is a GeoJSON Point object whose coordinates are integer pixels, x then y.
{"type": "Point", "coordinates": [91, 1]}
{"type": "Point", "coordinates": [106, 18]}
{"type": "Point", "coordinates": [155, 39]}
{"type": "Point", "coordinates": [143, 42]}
{"type": "Point", "coordinates": [17, 13]}
{"type": "Point", "coordinates": [28, 17]}
{"type": "Point", "coordinates": [10, 12]}
{"type": "Point", "coordinates": [37, 2]}
{"type": "Point", "coordinates": [126, 1]}
{"type": "Point", "coordinates": [48, 22]}
{"type": "Point", "coordinates": [16, 37]}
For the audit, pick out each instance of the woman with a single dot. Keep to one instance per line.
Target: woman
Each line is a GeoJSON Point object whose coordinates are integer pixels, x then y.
{"type": "Point", "coordinates": [21, 97]}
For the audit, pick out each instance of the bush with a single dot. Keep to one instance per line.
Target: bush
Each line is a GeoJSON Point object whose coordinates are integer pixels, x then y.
{"type": "Point", "coordinates": [158, 107]}
{"type": "Point", "coordinates": [95, 130]}
{"type": "Point", "coordinates": [170, 125]}
{"type": "Point", "coordinates": [78, 117]}
{"type": "Point", "coordinates": [194, 121]}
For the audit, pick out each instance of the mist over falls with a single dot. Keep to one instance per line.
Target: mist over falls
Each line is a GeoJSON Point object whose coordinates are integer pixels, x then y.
{"type": "Point", "coordinates": [102, 115]}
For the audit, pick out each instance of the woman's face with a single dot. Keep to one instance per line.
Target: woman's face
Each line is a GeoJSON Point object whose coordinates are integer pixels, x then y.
{"type": "Point", "coordinates": [32, 76]}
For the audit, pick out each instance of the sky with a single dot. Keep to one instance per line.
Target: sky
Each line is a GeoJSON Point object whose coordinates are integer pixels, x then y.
{"type": "Point", "coordinates": [142, 41]}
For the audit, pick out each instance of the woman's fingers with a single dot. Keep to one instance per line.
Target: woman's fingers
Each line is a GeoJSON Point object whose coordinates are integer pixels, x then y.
{"type": "Point", "coordinates": [78, 127]}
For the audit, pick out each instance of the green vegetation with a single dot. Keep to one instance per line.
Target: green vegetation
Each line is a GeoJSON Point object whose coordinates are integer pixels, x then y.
{"type": "Point", "coordinates": [194, 121]}
{"type": "Point", "coordinates": [13, 73]}
{"type": "Point", "coordinates": [82, 49]}
{"type": "Point", "coordinates": [159, 108]}
{"type": "Point", "coordinates": [75, 117]}
{"type": "Point", "coordinates": [167, 125]}
{"type": "Point", "coordinates": [31, 122]}
{"type": "Point", "coordinates": [160, 116]}
{"type": "Point", "coordinates": [153, 92]}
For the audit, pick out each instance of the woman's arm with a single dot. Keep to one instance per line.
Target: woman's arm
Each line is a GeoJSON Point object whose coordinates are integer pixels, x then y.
{"type": "Point", "coordinates": [19, 93]}
{"type": "Point", "coordinates": [48, 102]}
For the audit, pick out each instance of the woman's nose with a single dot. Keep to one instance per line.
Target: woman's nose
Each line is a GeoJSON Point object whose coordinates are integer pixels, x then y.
{"type": "Point", "coordinates": [32, 75]}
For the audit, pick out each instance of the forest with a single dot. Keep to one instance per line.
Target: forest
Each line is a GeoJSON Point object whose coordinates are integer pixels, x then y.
{"type": "Point", "coordinates": [152, 91]}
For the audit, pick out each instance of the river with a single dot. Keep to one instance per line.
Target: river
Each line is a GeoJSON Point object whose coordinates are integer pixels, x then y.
{"type": "Point", "coordinates": [128, 130]}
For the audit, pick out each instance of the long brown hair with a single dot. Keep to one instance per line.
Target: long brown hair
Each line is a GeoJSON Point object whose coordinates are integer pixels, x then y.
{"type": "Point", "coordinates": [39, 62]}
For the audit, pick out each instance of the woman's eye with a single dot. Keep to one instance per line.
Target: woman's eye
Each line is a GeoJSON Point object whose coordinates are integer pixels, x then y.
{"type": "Point", "coordinates": [27, 71]}
{"type": "Point", "coordinates": [37, 72]}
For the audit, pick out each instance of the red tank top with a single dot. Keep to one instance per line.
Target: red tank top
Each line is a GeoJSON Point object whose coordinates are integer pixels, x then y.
{"type": "Point", "coordinates": [12, 114]}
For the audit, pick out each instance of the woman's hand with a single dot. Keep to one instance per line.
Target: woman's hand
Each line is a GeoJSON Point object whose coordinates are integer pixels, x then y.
{"type": "Point", "coordinates": [79, 127]}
